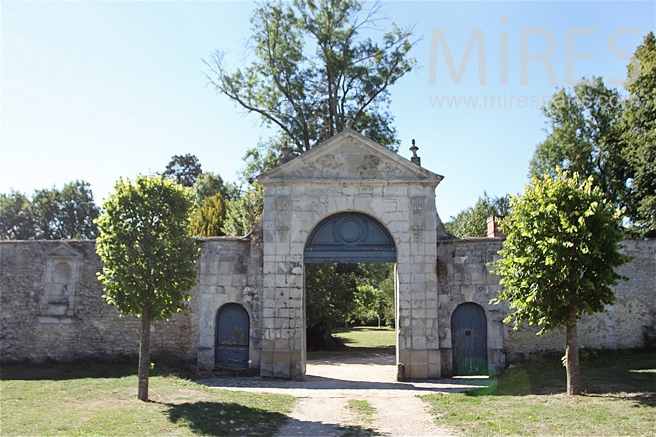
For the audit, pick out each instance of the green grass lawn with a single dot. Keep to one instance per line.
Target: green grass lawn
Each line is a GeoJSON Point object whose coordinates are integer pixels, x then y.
{"type": "Point", "coordinates": [360, 341]}
{"type": "Point", "coordinates": [529, 399]}
{"type": "Point", "coordinates": [100, 399]}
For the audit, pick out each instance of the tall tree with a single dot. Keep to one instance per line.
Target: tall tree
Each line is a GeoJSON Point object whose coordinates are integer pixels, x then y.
{"type": "Point", "coordinates": [148, 257]}
{"type": "Point", "coordinates": [584, 137]}
{"type": "Point", "coordinates": [472, 221]}
{"type": "Point", "coordinates": [185, 169]}
{"type": "Point", "coordinates": [310, 93]}
{"type": "Point", "coordinates": [559, 258]}
{"type": "Point", "coordinates": [639, 135]}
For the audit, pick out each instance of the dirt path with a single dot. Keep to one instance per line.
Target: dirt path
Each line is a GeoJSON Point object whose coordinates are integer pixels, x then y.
{"type": "Point", "coordinates": [322, 408]}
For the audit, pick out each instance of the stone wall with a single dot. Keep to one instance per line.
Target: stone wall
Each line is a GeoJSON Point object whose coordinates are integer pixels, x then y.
{"type": "Point", "coordinates": [464, 276]}
{"type": "Point", "coordinates": [229, 271]}
{"type": "Point", "coordinates": [620, 327]}
{"type": "Point", "coordinates": [53, 309]}
{"type": "Point", "coordinates": [52, 305]}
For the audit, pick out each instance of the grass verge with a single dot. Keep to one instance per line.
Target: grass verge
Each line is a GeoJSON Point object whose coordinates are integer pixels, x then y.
{"type": "Point", "coordinates": [360, 341]}
{"type": "Point", "coordinates": [101, 399]}
{"type": "Point", "coordinates": [529, 399]}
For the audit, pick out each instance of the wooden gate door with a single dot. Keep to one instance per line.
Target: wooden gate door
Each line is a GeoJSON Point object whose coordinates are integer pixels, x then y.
{"type": "Point", "coordinates": [469, 340]}
{"type": "Point", "coordinates": [232, 338]}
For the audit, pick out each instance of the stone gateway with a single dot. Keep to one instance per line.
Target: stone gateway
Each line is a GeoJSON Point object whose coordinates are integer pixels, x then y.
{"type": "Point", "coordinates": [346, 200]}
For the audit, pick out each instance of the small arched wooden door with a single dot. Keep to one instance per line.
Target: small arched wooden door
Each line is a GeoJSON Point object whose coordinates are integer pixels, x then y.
{"type": "Point", "coordinates": [232, 334]}
{"type": "Point", "coordinates": [469, 340]}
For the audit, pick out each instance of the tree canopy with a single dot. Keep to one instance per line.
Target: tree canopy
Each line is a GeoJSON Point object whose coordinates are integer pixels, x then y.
{"type": "Point", "coordinates": [584, 137]}
{"type": "Point", "coordinates": [51, 214]}
{"type": "Point", "coordinates": [472, 221]}
{"type": "Point", "coordinates": [601, 133]}
{"type": "Point", "coordinates": [559, 256]}
{"type": "Point", "coordinates": [210, 184]}
{"type": "Point", "coordinates": [639, 135]}
{"type": "Point", "coordinates": [185, 169]}
{"type": "Point", "coordinates": [313, 71]}
{"type": "Point", "coordinates": [148, 257]}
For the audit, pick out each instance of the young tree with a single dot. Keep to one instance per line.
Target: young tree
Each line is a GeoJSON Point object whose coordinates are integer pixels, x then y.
{"type": "Point", "coordinates": [309, 93]}
{"type": "Point", "coordinates": [185, 169]}
{"type": "Point", "coordinates": [639, 135]}
{"type": "Point", "coordinates": [559, 257]}
{"type": "Point", "coordinates": [148, 257]}
{"type": "Point", "coordinates": [209, 217]}
{"type": "Point", "coordinates": [472, 222]}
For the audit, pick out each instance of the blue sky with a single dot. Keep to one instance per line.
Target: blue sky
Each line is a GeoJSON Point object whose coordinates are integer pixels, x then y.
{"type": "Point", "coordinates": [100, 90]}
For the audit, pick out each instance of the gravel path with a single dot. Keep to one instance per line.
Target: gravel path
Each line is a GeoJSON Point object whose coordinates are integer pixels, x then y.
{"type": "Point", "coordinates": [322, 410]}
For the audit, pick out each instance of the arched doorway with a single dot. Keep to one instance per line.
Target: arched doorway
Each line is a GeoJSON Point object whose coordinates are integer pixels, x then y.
{"type": "Point", "coordinates": [469, 340]}
{"type": "Point", "coordinates": [232, 338]}
{"type": "Point", "coordinates": [349, 285]}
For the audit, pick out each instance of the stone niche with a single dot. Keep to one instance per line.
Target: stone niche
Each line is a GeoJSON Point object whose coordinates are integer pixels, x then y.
{"type": "Point", "coordinates": [60, 278]}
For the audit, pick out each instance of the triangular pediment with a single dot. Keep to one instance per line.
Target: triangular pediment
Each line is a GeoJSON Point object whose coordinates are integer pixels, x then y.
{"type": "Point", "coordinates": [64, 251]}
{"type": "Point", "coordinates": [349, 156]}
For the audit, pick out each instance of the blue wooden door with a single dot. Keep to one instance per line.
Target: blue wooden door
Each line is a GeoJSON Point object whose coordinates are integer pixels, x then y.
{"type": "Point", "coordinates": [469, 340]}
{"type": "Point", "coordinates": [232, 327]}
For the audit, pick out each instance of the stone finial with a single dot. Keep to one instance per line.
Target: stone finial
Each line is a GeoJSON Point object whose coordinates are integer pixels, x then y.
{"type": "Point", "coordinates": [349, 124]}
{"type": "Point", "coordinates": [285, 154]}
{"type": "Point", "coordinates": [415, 159]}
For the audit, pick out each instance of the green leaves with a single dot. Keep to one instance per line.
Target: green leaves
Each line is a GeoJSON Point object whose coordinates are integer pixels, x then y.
{"type": "Point", "coordinates": [639, 135]}
{"type": "Point", "coordinates": [243, 213]}
{"type": "Point", "coordinates": [560, 251]}
{"type": "Point", "coordinates": [471, 222]}
{"type": "Point", "coordinates": [144, 244]}
{"type": "Point", "coordinates": [51, 214]}
{"type": "Point", "coordinates": [598, 132]}
{"type": "Point", "coordinates": [209, 217]}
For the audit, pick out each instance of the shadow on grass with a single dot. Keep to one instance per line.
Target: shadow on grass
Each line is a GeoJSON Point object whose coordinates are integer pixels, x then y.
{"type": "Point", "coordinates": [628, 374]}
{"type": "Point", "coordinates": [225, 419]}
{"type": "Point", "coordinates": [81, 370]}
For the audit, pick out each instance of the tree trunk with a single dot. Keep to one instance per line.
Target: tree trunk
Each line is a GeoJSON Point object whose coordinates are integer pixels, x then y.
{"type": "Point", "coordinates": [572, 356]}
{"type": "Point", "coordinates": [144, 355]}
